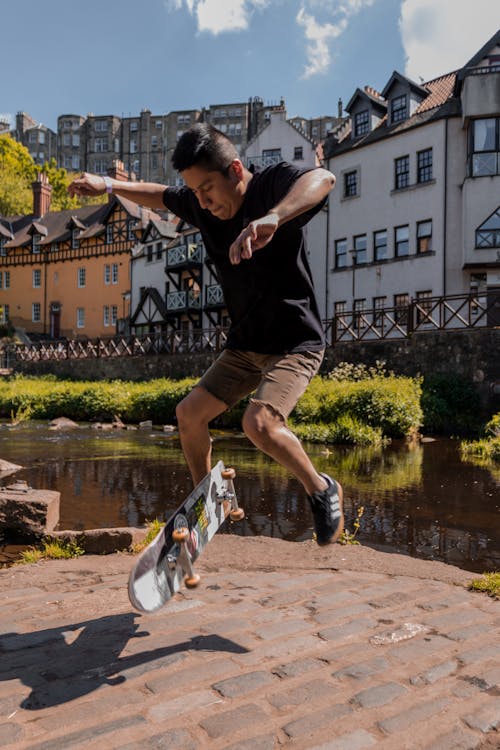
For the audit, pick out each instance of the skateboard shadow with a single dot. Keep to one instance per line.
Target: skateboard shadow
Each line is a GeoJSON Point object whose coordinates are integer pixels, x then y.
{"type": "Point", "coordinates": [64, 663]}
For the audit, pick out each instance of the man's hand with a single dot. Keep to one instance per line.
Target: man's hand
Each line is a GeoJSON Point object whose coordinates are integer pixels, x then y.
{"type": "Point", "coordinates": [256, 235]}
{"type": "Point", "coordinates": [87, 184]}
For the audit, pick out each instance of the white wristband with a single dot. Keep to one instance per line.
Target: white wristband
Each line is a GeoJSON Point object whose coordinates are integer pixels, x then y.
{"type": "Point", "coordinates": [109, 184]}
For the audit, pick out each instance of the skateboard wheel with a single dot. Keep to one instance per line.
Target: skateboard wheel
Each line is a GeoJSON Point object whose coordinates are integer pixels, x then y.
{"type": "Point", "coordinates": [180, 535]}
{"type": "Point", "coordinates": [228, 473]}
{"type": "Point", "coordinates": [192, 581]}
{"type": "Point", "coordinates": [238, 514]}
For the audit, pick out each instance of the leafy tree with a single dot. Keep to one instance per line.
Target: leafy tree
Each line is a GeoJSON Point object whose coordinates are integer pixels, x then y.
{"type": "Point", "coordinates": [18, 170]}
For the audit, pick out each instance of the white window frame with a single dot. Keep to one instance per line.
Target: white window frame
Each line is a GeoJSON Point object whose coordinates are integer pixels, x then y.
{"type": "Point", "coordinates": [107, 274]}
{"type": "Point", "coordinates": [106, 315]}
{"type": "Point", "coordinates": [114, 273]}
{"type": "Point", "coordinates": [80, 317]}
{"type": "Point", "coordinates": [81, 278]}
{"type": "Point", "coordinates": [37, 278]}
{"type": "Point", "coordinates": [36, 312]}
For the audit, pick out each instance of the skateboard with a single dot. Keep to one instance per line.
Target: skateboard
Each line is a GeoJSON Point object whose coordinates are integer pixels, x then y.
{"type": "Point", "coordinates": [168, 560]}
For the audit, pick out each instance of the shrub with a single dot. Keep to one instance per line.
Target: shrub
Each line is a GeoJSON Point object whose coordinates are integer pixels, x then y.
{"type": "Point", "coordinates": [451, 405]}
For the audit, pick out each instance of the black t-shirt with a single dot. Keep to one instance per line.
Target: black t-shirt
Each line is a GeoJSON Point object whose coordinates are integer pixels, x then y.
{"type": "Point", "coordinates": [270, 297]}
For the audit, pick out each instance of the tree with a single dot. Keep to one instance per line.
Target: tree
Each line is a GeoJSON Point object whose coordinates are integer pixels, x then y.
{"type": "Point", "coordinates": [17, 172]}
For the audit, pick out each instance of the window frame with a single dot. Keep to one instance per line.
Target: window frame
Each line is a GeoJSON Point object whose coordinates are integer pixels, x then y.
{"type": "Point", "coordinates": [376, 246]}
{"type": "Point", "coordinates": [340, 254]}
{"type": "Point", "coordinates": [424, 168]}
{"type": "Point", "coordinates": [402, 176]}
{"type": "Point", "coordinates": [399, 113]}
{"type": "Point", "coordinates": [361, 123]}
{"type": "Point", "coordinates": [36, 312]}
{"type": "Point", "coordinates": [420, 249]}
{"type": "Point", "coordinates": [351, 184]}
{"type": "Point", "coordinates": [37, 277]}
{"type": "Point", "coordinates": [81, 277]}
{"type": "Point", "coordinates": [357, 250]}
{"type": "Point", "coordinates": [399, 243]}
{"type": "Point", "coordinates": [80, 317]}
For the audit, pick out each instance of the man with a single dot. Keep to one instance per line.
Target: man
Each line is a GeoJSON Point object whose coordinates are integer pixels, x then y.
{"type": "Point", "coordinates": [251, 226]}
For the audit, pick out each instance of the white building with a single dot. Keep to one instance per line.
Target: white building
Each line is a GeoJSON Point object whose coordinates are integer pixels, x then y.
{"type": "Point", "coordinates": [416, 211]}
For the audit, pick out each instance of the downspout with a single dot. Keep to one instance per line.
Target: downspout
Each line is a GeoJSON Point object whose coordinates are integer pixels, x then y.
{"type": "Point", "coordinates": [45, 294]}
{"type": "Point", "coordinates": [445, 199]}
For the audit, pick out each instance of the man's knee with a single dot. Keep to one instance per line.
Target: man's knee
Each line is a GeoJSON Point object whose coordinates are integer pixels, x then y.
{"type": "Point", "coordinates": [198, 408]}
{"type": "Point", "coordinates": [259, 423]}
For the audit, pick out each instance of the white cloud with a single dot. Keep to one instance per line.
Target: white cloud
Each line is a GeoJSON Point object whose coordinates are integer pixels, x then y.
{"type": "Point", "coordinates": [439, 37]}
{"type": "Point", "coordinates": [319, 34]}
{"type": "Point", "coordinates": [219, 16]}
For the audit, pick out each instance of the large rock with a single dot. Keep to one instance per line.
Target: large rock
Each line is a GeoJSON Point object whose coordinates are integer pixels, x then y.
{"type": "Point", "coordinates": [28, 513]}
{"type": "Point", "coordinates": [103, 541]}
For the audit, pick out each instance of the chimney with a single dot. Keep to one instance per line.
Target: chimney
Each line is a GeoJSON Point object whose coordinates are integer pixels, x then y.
{"type": "Point", "coordinates": [42, 193]}
{"type": "Point", "coordinates": [117, 171]}
{"type": "Point", "coordinates": [340, 107]}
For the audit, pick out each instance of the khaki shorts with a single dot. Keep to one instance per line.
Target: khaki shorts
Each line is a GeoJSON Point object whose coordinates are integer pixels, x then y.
{"type": "Point", "coordinates": [279, 380]}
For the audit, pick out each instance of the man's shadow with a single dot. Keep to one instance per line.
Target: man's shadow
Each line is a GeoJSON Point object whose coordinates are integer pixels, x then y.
{"type": "Point", "coordinates": [64, 663]}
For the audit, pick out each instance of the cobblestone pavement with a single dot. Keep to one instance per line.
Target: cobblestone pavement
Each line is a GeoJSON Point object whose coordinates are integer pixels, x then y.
{"type": "Point", "coordinates": [256, 658]}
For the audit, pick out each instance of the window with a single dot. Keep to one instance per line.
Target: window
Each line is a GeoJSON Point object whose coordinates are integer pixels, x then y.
{"type": "Point", "coordinates": [401, 303]}
{"type": "Point", "coordinates": [37, 278]}
{"type": "Point", "coordinates": [350, 184]}
{"type": "Point", "coordinates": [4, 313]}
{"type": "Point", "coordinates": [380, 245]}
{"type": "Point", "coordinates": [149, 253]}
{"type": "Point", "coordinates": [114, 273]}
{"type": "Point", "coordinates": [80, 317]}
{"type": "Point", "coordinates": [401, 241]}
{"type": "Point", "coordinates": [6, 280]}
{"type": "Point", "coordinates": [100, 166]}
{"type": "Point", "coordinates": [360, 249]}
{"type": "Point", "coordinates": [36, 312]}
{"type": "Point", "coordinates": [484, 145]}
{"type": "Point", "coordinates": [75, 140]}
{"type": "Point", "coordinates": [35, 243]}
{"type": "Point", "coordinates": [271, 156]}
{"type": "Point", "coordinates": [298, 153]}
{"type": "Point", "coordinates": [359, 314]}
{"type": "Point", "coordinates": [114, 314]}
{"type": "Point", "coordinates": [130, 229]}
{"type": "Point", "coordinates": [361, 123]}
{"type": "Point", "coordinates": [478, 287]}
{"type": "Point", "coordinates": [81, 278]}
{"type": "Point", "coordinates": [154, 141]}
{"type": "Point", "coordinates": [424, 236]}
{"type": "Point", "coordinates": [105, 318]}
{"type": "Point", "coordinates": [66, 139]}
{"type": "Point", "coordinates": [109, 234]}
{"type": "Point", "coordinates": [75, 241]}
{"type": "Point", "coordinates": [107, 274]}
{"type": "Point", "coordinates": [424, 165]}
{"type": "Point", "coordinates": [424, 306]}
{"type": "Point", "coordinates": [154, 161]}
{"type": "Point", "coordinates": [158, 124]}
{"type": "Point", "coordinates": [101, 126]}
{"type": "Point", "coordinates": [378, 315]}
{"type": "Point", "coordinates": [340, 309]}
{"type": "Point", "coordinates": [159, 250]}
{"type": "Point", "coordinates": [401, 172]}
{"type": "Point", "coordinates": [133, 127]}
{"type": "Point", "coordinates": [340, 253]}
{"type": "Point", "coordinates": [101, 145]}
{"type": "Point", "coordinates": [398, 108]}
{"type": "Point", "coordinates": [488, 233]}
{"type": "Point", "coordinates": [75, 162]}
{"type": "Point", "coordinates": [3, 249]}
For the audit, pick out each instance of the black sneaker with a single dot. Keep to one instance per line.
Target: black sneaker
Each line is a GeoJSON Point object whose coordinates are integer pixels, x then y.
{"type": "Point", "coordinates": [327, 510]}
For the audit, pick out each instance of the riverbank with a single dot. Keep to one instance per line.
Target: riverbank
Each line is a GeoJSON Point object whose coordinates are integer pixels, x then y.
{"type": "Point", "coordinates": [283, 644]}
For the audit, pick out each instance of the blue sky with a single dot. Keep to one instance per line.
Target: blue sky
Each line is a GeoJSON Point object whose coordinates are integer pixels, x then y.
{"type": "Point", "coordinates": [119, 56]}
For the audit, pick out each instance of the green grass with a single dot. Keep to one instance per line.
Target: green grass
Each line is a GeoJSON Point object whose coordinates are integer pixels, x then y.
{"type": "Point", "coordinates": [154, 528]}
{"type": "Point", "coordinates": [51, 549]}
{"type": "Point", "coordinates": [489, 584]}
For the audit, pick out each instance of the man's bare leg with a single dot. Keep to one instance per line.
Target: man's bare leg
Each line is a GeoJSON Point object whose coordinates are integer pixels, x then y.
{"type": "Point", "coordinates": [194, 413]}
{"type": "Point", "coordinates": [268, 432]}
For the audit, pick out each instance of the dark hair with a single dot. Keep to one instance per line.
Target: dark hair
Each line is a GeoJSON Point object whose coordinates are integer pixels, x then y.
{"type": "Point", "coordinates": [205, 146]}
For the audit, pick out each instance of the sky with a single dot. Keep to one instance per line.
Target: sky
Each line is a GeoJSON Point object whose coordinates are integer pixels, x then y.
{"type": "Point", "coordinates": [121, 56]}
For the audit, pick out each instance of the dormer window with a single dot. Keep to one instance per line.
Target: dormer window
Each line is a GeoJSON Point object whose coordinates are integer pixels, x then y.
{"type": "Point", "coordinates": [109, 234]}
{"type": "Point", "coordinates": [3, 249]}
{"type": "Point", "coordinates": [399, 108]}
{"type": "Point", "coordinates": [75, 240]}
{"type": "Point", "coordinates": [361, 123]}
{"type": "Point", "coordinates": [35, 243]}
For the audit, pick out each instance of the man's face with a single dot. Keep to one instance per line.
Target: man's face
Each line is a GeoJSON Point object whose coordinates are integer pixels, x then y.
{"type": "Point", "coordinates": [221, 194]}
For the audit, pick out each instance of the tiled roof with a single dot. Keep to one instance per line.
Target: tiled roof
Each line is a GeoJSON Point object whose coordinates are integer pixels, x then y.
{"type": "Point", "coordinates": [54, 225]}
{"type": "Point", "coordinates": [440, 89]}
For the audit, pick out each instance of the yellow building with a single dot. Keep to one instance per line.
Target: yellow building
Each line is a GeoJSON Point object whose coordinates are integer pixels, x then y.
{"type": "Point", "coordinates": [67, 273]}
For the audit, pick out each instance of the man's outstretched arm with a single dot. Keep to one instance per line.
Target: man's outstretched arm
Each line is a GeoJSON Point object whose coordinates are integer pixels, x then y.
{"type": "Point", "coordinates": [147, 194]}
{"type": "Point", "coordinates": [309, 190]}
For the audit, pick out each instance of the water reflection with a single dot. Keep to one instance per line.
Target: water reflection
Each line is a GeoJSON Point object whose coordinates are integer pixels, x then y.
{"type": "Point", "coordinates": [418, 499]}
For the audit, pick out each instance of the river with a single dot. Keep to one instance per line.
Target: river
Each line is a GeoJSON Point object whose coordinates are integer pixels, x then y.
{"type": "Point", "coordinates": [417, 499]}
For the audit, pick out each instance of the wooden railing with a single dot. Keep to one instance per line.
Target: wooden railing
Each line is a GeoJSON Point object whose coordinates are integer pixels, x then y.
{"type": "Point", "coordinates": [454, 313]}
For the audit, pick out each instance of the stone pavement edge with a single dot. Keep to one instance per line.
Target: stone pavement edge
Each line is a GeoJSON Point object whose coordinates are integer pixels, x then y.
{"type": "Point", "coordinates": [282, 645]}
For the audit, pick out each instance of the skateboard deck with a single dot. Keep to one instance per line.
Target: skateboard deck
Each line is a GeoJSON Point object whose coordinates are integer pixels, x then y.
{"type": "Point", "coordinates": [168, 560]}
